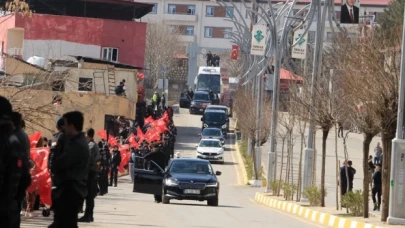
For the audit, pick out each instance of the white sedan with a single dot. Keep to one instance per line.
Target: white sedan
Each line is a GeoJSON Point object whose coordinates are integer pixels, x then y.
{"type": "Point", "coordinates": [211, 149]}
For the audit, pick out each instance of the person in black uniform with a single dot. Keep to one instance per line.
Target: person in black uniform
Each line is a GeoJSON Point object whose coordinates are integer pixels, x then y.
{"type": "Point", "coordinates": [377, 188]}
{"type": "Point", "coordinates": [115, 164]}
{"type": "Point", "coordinates": [14, 169]}
{"type": "Point", "coordinates": [158, 157]}
{"type": "Point", "coordinates": [105, 161]}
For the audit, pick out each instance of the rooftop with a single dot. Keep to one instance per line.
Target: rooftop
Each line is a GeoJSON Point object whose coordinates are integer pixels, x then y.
{"type": "Point", "coordinates": [126, 10]}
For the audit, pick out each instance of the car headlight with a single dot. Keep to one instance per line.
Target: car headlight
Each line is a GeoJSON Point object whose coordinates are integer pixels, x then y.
{"type": "Point", "coordinates": [171, 181]}
{"type": "Point", "coordinates": [205, 125]}
{"type": "Point", "coordinates": [224, 126]}
{"type": "Point", "coordinates": [192, 103]}
{"type": "Point", "coordinates": [200, 152]}
{"type": "Point", "coordinates": [213, 184]}
{"type": "Point", "coordinates": [221, 151]}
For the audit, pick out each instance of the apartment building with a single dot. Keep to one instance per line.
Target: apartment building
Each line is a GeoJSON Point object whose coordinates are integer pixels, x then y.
{"type": "Point", "coordinates": [207, 23]}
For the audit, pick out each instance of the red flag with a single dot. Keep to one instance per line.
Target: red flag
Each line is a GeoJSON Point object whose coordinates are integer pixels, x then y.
{"type": "Point", "coordinates": [34, 138]}
{"type": "Point", "coordinates": [131, 138]}
{"type": "Point", "coordinates": [40, 177]}
{"type": "Point", "coordinates": [112, 141]}
{"type": "Point", "coordinates": [165, 117]}
{"type": "Point", "coordinates": [141, 76]}
{"type": "Point", "coordinates": [149, 120]}
{"type": "Point", "coordinates": [140, 134]}
{"type": "Point", "coordinates": [124, 159]}
{"type": "Point", "coordinates": [235, 52]}
{"type": "Point", "coordinates": [102, 134]}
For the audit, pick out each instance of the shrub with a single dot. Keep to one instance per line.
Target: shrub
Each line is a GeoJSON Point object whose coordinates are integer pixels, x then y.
{"type": "Point", "coordinates": [313, 194]}
{"type": "Point", "coordinates": [289, 190]}
{"type": "Point", "coordinates": [275, 186]}
{"type": "Point", "coordinates": [247, 159]}
{"type": "Point", "coordinates": [354, 202]}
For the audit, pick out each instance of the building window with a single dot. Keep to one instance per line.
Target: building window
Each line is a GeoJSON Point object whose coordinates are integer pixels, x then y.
{"type": "Point", "coordinates": [172, 9]}
{"type": "Point", "coordinates": [190, 30]}
{"type": "Point", "coordinates": [191, 10]}
{"type": "Point", "coordinates": [85, 84]}
{"type": "Point", "coordinates": [229, 12]}
{"type": "Point", "coordinates": [154, 9]}
{"type": "Point", "coordinates": [210, 11]}
{"type": "Point", "coordinates": [217, 32]}
{"type": "Point", "coordinates": [110, 54]}
{"type": "Point", "coordinates": [219, 11]}
{"type": "Point", "coordinates": [227, 33]}
{"type": "Point", "coordinates": [208, 32]}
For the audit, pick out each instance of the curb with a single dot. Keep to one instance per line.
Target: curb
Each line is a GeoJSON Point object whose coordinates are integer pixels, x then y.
{"type": "Point", "coordinates": [241, 164]}
{"type": "Point", "coordinates": [309, 214]}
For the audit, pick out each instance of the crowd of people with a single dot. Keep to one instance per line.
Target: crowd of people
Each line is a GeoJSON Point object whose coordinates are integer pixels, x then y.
{"type": "Point", "coordinates": [70, 170]}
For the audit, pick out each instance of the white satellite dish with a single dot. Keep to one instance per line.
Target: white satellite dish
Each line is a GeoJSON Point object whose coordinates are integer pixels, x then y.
{"type": "Point", "coordinates": [204, 51]}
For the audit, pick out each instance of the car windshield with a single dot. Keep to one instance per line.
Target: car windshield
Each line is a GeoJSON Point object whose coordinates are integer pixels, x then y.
{"type": "Point", "coordinates": [196, 167]}
{"type": "Point", "coordinates": [209, 81]}
{"type": "Point", "coordinates": [211, 132]}
{"type": "Point", "coordinates": [223, 109]}
{"type": "Point", "coordinates": [214, 117]}
{"type": "Point", "coordinates": [210, 143]}
{"type": "Point", "coordinates": [201, 96]}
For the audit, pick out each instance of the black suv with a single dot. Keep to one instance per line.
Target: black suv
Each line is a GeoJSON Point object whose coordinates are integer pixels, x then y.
{"type": "Point", "coordinates": [215, 118]}
{"type": "Point", "coordinates": [201, 100]}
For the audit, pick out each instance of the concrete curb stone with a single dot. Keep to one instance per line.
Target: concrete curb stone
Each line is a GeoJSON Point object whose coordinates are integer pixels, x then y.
{"type": "Point", "coordinates": [309, 214]}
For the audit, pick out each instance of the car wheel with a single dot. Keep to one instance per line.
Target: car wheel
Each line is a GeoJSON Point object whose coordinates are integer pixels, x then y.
{"type": "Point", "coordinates": [213, 202]}
{"type": "Point", "coordinates": [165, 199]}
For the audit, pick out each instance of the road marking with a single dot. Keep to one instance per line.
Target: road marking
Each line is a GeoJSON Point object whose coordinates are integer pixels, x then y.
{"type": "Point", "coordinates": [234, 160]}
{"type": "Point", "coordinates": [288, 214]}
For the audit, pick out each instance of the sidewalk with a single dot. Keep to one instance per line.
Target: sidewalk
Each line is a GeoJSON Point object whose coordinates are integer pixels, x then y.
{"type": "Point", "coordinates": [354, 147]}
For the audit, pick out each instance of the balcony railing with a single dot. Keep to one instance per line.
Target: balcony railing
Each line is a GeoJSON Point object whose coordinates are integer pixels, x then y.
{"type": "Point", "coordinates": [15, 51]}
{"type": "Point", "coordinates": [180, 17]}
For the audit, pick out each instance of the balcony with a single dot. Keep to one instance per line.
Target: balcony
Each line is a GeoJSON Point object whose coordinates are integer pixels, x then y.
{"type": "Point", "coordinates": [180, 17]}
{"type": "Point", "coordinates": [187, 38]}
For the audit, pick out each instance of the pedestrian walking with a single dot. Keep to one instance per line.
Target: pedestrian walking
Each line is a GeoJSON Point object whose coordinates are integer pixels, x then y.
{"type": "Point", "coordinates": [105, 164]}
{"type": "Point", "coordinates": [340, 129]}
{"type": "Point", "coordinates": [377, 188]}
{"type": "Point", "coordinates": [14, 169]}
{"type": "Point", "coordinates": [94, 161]}
{"type": "Point", "coordinates": [371, 168]}
{"type": "Point", "coordinates": [378, 154]}
{"type": "Point", "coordinates": [163, 101]}
{"type": "Point", "coordinates": [131, 165]}
{"type": "Point", "coordinates": [346, 184]}
{"type": "Point", "coordinates": [115, 164]}
{"type": "Point", "coordinates": [70, 171]}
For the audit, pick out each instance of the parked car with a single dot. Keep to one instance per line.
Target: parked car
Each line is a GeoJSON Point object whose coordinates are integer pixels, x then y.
{"type": "Point", "coordinates": [211, 149]}
{"type": "Point", "coordinates": [201, 100]}
{"type": "Point", "coordinates": [185, 100]}
{"type": "Point", "coordinates": [184, 179]}
{"type": "Point", "coordinates": [213, 133]}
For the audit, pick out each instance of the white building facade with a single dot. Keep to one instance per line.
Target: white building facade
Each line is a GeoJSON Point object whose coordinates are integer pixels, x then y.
{"type": "Point", "coordinates": [207, 23]}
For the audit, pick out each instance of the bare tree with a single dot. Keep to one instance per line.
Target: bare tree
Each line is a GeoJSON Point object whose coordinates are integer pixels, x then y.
{"type": "Point", "coordinates": [245, 109]}
{"type": "Point", "coordinates": [16, 6]}
{"type": "Point", "coordinates": [162, 45]}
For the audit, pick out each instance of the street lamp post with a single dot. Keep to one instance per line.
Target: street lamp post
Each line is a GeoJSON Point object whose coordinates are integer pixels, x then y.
{"type": "Point", "coordinates": [396, 214]}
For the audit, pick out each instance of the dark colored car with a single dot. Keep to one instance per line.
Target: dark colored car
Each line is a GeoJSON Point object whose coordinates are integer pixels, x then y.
{"type": "Point", "coordinates": [214, 97]}
{"type": "Point", "coordinates": [184, 179]}
{"type": "Point", "coordinates": [219, 107]}
{"type": "Point", "coordinates": [200, 101]}
{"type": "Point", "coordinates": [215, 118]}
{"type": "Point", "coordinates": [185, 100]}
{"type": "Point", "coordinates": [212, 133]}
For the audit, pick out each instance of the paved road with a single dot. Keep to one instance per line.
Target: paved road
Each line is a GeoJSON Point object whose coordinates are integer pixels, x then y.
{"type": "Point", "coordinates": [122, 208]}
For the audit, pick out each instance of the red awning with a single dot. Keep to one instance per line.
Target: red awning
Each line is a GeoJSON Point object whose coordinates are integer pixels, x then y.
{"type": "Point", "coordinates": [287, 75]}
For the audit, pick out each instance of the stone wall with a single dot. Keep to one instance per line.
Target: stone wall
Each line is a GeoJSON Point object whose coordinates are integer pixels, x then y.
{"type": "Point", "coordinates": [179, 71]}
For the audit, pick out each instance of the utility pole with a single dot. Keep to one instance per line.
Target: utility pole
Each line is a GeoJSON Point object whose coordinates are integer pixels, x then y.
{"type": "Point", "coordinates": [317, 66]}
{"type": "Point", "coordinates": [396, 214]}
